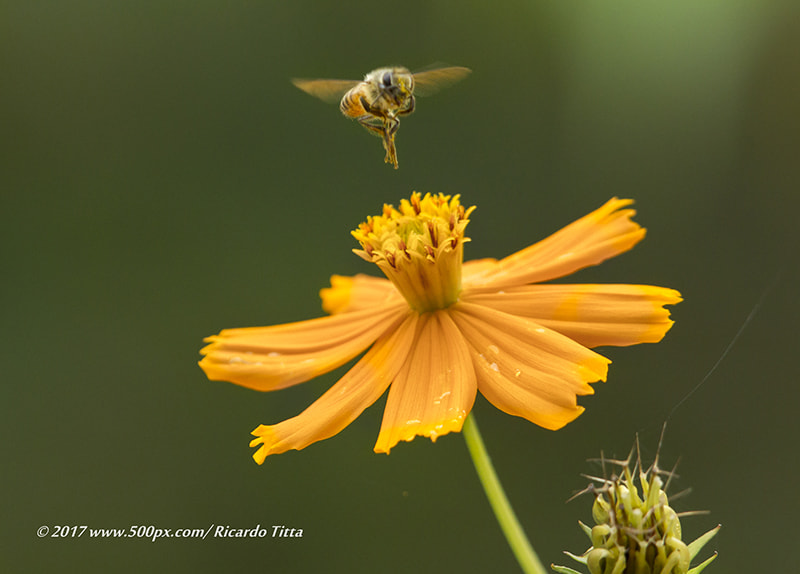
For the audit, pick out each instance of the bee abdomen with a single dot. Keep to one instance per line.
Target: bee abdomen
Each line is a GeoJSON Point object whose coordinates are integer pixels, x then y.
{"type": "Point", "coordinates": [351, 104]}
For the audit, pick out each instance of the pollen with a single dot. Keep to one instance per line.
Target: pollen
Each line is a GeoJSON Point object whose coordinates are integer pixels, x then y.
{"type": "Point", "coordinates": [419, 247]}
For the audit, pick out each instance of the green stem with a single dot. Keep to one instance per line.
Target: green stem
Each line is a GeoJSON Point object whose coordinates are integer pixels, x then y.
{"type": "Point", "coordinates": [511, 527]}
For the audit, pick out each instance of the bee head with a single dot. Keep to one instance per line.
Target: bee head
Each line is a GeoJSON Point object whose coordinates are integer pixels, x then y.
{"type": "Point", "coordinates": [395, 84]}
{"type": "Point", "coordinates": [399, 85]}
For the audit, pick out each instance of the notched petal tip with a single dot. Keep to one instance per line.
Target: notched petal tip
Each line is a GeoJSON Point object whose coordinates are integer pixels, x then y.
{"type": "Point", "coordinates": [336, 298]}
{"type": "Point", "coordinates": [266, 438]}
{"type": "Point", "coordinates": [390, 437]}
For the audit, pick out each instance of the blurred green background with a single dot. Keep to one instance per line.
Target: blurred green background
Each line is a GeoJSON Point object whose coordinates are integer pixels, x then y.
{"type": "Point", "coordinates": [161, 179]}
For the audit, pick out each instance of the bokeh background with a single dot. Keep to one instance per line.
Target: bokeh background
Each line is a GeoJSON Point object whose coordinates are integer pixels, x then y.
{"type": "Point", "coordinates": [162, 179]}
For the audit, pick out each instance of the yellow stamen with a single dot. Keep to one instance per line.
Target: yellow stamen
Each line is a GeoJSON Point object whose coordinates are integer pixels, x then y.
{"type": "Point", "coordinates": [419, 247]}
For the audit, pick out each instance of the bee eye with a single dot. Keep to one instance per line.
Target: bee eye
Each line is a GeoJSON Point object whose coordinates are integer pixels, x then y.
{"type": "Point", "coordinates": [387, 79]}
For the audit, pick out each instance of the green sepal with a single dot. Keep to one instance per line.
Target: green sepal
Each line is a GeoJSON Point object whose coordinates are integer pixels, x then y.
{"type": "Point", "coordinates": [586, 529]}
{"type": "Point", "coordinates": [581, 559]}
{"type": "Point", "coordinates": [698, 544]}
{"type": "Point", "coordinates": [700, 567]}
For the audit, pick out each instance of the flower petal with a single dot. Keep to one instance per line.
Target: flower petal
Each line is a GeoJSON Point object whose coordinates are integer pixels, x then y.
{"type": "Point", "coordinates": [604, 233]}
{"type": "Point", "coordinates": [592, 315]}
{"type": "Point", "coordinates": [526, 369]}
{"type": "Point", "coordinates": [435, 390]}
{"type": "Point", "coordinates": [343, 402]}
{"type": "Point", "coordinates": [269, 358]}
{"type": "Point", "coordinates": [474, 270]}
{"type": "Point", "coordinates": [356, 293]}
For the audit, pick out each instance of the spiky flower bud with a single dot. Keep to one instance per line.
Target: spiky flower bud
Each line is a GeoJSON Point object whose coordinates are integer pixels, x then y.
{"type": "Point", "coordinates": [636, 530]}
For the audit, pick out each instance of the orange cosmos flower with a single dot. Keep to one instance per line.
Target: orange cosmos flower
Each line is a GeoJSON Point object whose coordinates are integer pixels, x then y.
{"type": "Point", "coordinates": [438, 330]}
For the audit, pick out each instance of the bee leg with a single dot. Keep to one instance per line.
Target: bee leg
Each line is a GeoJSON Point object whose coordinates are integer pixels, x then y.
{"type": "Point", "coordinates": [388, 144]}
{"type": "Point", "coordinates": [412, 103]}
{"type": "Point", "coordinates": [385, 131]}
{"type": "Point", "coordinates": [369, 109]}
{"type": "Point", "coordinates": [392, 124]}
{"type": "Point", "coordinates": [374, 115]}
{"type": "Point", "coordinates": [368, 123]}
{"type": "Point", "coordinates": [391, 151]}
{"type": "Point", "coordinates": [390, 129]}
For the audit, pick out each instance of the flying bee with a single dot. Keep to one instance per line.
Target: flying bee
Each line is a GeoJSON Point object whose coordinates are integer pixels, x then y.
{"type": "Point", "coordinates": [382, 96]}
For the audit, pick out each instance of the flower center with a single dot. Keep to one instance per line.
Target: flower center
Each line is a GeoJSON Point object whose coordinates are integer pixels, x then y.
{"type": "Point", "coordinates": [419, 247]}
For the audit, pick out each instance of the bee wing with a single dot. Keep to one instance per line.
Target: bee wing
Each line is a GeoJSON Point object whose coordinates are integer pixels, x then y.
{"type": "Point", "coordinates": [431, 81]}
{"type": "Point", "coordinates": [327, 90]}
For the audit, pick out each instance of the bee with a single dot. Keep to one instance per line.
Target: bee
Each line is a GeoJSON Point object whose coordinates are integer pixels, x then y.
{"type": "Point", "coordinates": [385, 94]}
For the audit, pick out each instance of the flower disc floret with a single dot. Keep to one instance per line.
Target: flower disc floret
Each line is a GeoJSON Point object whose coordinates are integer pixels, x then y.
{"type": "Point", "coordinates": [419, 247]}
